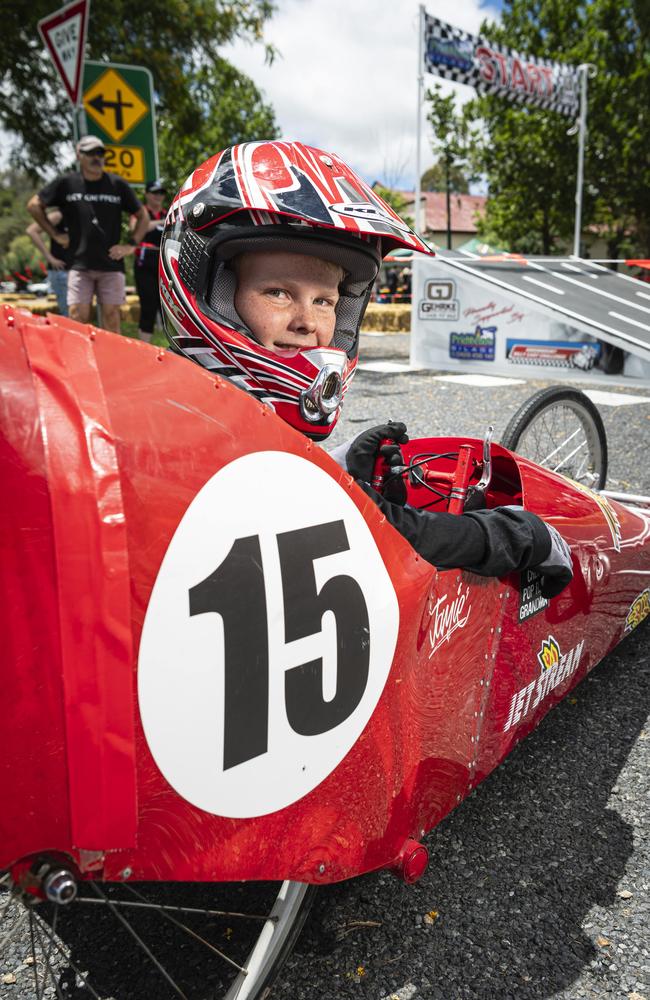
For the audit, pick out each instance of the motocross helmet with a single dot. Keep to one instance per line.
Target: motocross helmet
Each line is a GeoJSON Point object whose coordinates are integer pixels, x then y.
{"type": "Point", "coordinates": [261, 196]}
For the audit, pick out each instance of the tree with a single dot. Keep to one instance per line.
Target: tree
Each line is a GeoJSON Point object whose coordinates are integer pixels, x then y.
{"type": "Point", "coordinates": [434, 179]}
{"type": "Point", "coordinates": [529, 160]}
{"type": "Point", "coordinates": [452, 138]}
{"type": "Point", "coordinates": [178, 41]}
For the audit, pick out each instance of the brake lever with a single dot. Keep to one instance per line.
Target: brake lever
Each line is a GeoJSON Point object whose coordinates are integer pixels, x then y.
{"type": "Point", "coordinates": [486, 473]}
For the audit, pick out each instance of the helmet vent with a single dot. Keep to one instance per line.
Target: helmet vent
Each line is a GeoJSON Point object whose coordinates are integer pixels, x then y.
{"type": "Point", "coordinates": [189, 259]}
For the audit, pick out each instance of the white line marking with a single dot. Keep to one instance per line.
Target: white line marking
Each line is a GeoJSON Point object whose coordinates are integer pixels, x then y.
{"type": "Point", "coordinates": [643, 295]}
{"type": "Point", "coordinates": [485, 381]}
{"type": "Point", "coordinates": [542, 284]}
{"type": "Point", "coordinates": [626, 319]}
{"type": "Point", "coordinates": [571, 267]}
{"type": "Point", "coordinates": [601, 397]}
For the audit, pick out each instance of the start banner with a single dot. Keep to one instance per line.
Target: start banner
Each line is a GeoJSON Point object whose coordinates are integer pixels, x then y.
{"type": "Point", "coordinates": [493, 69]}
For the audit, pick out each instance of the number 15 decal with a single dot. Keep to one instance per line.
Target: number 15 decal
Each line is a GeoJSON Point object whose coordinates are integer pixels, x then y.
{"type": "Point", "coordinates": [246, 659]}
{"type": "Point", "coordinates": [256, 681]}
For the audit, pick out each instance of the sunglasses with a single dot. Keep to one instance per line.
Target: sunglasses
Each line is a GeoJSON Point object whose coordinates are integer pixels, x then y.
{"type": "Point", "coordinates": [94, 152]}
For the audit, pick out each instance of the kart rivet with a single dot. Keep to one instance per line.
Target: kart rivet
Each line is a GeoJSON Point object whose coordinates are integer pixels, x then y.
{"type": "Point", "coordinates": [321, 868]}
{"type": "Point", "coordinates": [472, 738]}
{"type": "Point", "coordinates": [458, 798]}
{"type": "Point", "coordinates": [482, 682]}
{"type": "Point", "coordinates": [499, 629]}
{"type": "Point", "coordinates": [126, 873]}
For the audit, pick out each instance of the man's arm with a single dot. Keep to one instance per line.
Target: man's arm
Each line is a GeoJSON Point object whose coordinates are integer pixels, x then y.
{"type": "Point", "coordinates": [141, 227]}
{"type": "Point", "coordinates": [36, 209]}
{"type": "Point", "coordinates": [34, 232]}
{"type": "Point", "coordinates": [122, 250]}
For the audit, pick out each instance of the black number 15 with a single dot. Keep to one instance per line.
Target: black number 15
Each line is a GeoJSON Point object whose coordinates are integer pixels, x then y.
{"type": "Point", "coordinates": [235, 590]}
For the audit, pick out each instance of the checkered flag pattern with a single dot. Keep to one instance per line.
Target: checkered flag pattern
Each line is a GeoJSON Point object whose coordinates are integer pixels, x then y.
{"type": "Point", "coordinates": [493, 69]}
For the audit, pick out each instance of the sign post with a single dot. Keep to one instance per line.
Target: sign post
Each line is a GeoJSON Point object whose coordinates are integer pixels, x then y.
{"type": "Point", "coordinates": [64, 35]}
{"type": "Point", "coordinates": [119, 108]}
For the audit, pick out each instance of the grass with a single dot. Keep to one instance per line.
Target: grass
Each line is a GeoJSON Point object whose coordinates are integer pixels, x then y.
{"type": "Point", "coordinates": [130, 329]}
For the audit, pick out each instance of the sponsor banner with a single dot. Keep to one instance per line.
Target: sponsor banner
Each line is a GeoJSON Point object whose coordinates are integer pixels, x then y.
{"type": "Point", "coordinates": [553, 353]}
{"type": "Point", "coordinates": [494, 69]}
{"type": "Point", "coordinates": [556, 667]}
{"type": "Point", "coordinates": [639, 609]}
{"type": "Point", "coordinates": [531, 601]}
{"type": "Point", "coordinates": [439, 300]}
{"type": "Point", "coordinates": [476, 345]}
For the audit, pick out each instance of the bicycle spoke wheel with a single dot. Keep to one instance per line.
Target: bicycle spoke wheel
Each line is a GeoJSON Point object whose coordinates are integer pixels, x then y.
{"type": "Point", "coordinates": [195, 941]}
{"type": "Point", "coordinates": [560, 429]}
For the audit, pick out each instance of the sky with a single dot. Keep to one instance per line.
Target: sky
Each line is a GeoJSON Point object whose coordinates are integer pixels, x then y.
{"type": "Point", "coordinates": [346, 77]}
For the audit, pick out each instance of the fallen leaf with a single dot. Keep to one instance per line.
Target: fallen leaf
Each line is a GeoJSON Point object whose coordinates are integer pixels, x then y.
{"type": "Point", "coordinates": [635, 996]}
{"type": "Point", "coordinates": [573, 701]}
{"type": "Point", "coordinates": [29, 960]}
{"type": "Point", "coordinates": [625, 894]}
{"type": "Point", "coordinates": [8, 978]}
{"type": "Point", "coordinates": [430, 917]}
{"type": "Point", "coordinates": [602, 942]}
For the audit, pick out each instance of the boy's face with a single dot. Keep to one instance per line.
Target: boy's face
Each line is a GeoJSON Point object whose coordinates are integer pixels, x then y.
{"type": "Point", "coordinates": [287, 300]}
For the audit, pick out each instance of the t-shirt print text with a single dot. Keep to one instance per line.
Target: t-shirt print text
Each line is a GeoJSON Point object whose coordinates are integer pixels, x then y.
{"type": "Point", "coordinates": [112, 199]}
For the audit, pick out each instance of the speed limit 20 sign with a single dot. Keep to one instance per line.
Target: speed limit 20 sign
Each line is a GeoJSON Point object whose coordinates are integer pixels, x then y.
{"type": "Point", "coordinates": [119, 108]}
{"type": "Point", "coordinates": [268, 638]}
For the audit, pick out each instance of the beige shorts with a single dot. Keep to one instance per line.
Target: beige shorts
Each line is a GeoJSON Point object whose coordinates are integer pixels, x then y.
{"type": "Point", "coordinates": [108, 286]}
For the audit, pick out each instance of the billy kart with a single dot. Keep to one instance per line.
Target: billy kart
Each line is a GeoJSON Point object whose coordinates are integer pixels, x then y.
{"type": "Point", "coordinates": [225, 667]}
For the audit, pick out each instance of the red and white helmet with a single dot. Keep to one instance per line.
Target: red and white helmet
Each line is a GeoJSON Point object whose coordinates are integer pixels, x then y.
{"type": "Point", "coordinates": [266, 196]}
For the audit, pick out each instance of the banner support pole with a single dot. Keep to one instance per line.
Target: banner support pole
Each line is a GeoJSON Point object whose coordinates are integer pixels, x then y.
{"type": "Point", "coordinates": [418, 141]}
{"type": "Point", "coordinates": [586, 70]}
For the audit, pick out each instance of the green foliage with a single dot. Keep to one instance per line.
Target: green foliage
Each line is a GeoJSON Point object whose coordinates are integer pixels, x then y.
{"type": "Point", "coordinates": [434, 179]}
{"type": "Point", "coordinates": [528, 158]}
{"type": "Point", "coordinates": [21, 258]}
{"type": "Point", "coordinates": [396, 200]}
{"type": "Point", "coordinates": [176, 40]}
{"type": "Point", "coordinates": [15, 189]}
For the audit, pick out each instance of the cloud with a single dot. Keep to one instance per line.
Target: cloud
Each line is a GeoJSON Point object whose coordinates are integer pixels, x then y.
{"type": "Point", "coordinates": [346, 77]}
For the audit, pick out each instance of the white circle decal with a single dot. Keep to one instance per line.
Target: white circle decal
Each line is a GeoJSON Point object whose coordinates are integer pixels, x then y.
{"type": "Point", "coordinates": [268, 638]}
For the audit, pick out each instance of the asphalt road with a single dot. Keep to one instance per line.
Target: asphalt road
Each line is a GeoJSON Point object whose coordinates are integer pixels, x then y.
{"type": "Point", "coordinates": [526, 876]}
{"type": "Point", "coordinates": [538, 884]}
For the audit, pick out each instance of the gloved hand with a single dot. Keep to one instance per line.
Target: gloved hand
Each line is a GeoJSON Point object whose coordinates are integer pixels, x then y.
{"type": "Point", "coordinates": [556, 570]}
{"type": "Point", "coordinates": [363, 451]}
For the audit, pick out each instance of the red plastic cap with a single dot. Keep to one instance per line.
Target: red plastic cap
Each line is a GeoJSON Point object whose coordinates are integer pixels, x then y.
{"type": "Point", "coordinates": [411, 862]}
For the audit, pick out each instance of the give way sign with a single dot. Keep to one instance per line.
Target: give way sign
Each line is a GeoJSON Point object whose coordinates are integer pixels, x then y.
{"type": "Point", "coordinates": [64, 34]}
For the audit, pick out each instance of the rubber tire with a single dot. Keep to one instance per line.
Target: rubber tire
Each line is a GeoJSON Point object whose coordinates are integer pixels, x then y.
{"type": "Point", "coordinates": [546, 399]}
{"type": "Point", "coordinates": [263, 989]}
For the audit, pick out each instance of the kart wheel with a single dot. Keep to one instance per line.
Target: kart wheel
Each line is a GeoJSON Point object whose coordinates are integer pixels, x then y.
{"type": "Point", "coordinates": [143, 940]}
{"type": "Point", "coordinates": [561, 429]}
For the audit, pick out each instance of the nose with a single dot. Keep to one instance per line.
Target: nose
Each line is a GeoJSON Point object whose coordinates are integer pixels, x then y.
{"type": "Point", "coordinates": [303, 320]}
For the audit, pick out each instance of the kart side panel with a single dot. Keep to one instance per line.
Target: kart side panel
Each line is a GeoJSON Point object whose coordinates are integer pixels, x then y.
{"type": "Point", "coordinates": [449, 708]}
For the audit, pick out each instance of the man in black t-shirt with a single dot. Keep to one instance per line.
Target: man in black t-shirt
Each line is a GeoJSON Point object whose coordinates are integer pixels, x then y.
{"type": "Point", "coordinates": [91, 202]}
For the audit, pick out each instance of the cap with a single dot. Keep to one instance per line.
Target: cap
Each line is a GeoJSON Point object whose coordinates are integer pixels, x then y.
{"type": "Point", "coordinates": [89, 143]}
{"type": "Point", "coordinates": [155, 187]}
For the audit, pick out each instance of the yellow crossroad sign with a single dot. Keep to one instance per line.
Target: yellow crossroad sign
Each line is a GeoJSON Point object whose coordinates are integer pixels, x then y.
{"type": "Point", "coordinates": [114, 105]}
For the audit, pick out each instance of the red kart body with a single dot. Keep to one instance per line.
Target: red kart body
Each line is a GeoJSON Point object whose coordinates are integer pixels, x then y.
{"type": "Point", "coordinates": [219, 661]}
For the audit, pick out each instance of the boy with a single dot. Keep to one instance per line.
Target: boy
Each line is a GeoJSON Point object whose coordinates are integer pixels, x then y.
{"type": "Point", "coordinates": [268, 259]}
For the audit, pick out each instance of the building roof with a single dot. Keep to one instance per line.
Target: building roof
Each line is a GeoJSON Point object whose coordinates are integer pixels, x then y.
{"type": "Point", "coordinates": [464, 208]}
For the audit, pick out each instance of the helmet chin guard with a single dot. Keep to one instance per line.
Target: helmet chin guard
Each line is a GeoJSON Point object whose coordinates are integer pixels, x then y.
{"type": "Point", "coordinates": [266, 196]}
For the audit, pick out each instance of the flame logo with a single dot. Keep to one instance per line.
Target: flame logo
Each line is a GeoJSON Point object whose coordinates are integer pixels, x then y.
{"type": "Point", "coordinates": [640, 609]}
{"type": "Point", "coordinates": [549, 655]}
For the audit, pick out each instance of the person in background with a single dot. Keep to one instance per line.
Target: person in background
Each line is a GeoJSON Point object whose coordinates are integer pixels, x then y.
{"type": "Point", "coordinates": [91, 202]}
{"type": "Point", "coordinates": [146, 257]}
{"type": "Point", "coordinates": [56, 257]}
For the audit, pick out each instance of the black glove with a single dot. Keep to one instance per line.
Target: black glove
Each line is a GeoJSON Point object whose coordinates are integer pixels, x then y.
{"type": "Point", "coordinates": [363, 451]}
{"type": "Point", "coordinates": [557, 569]}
